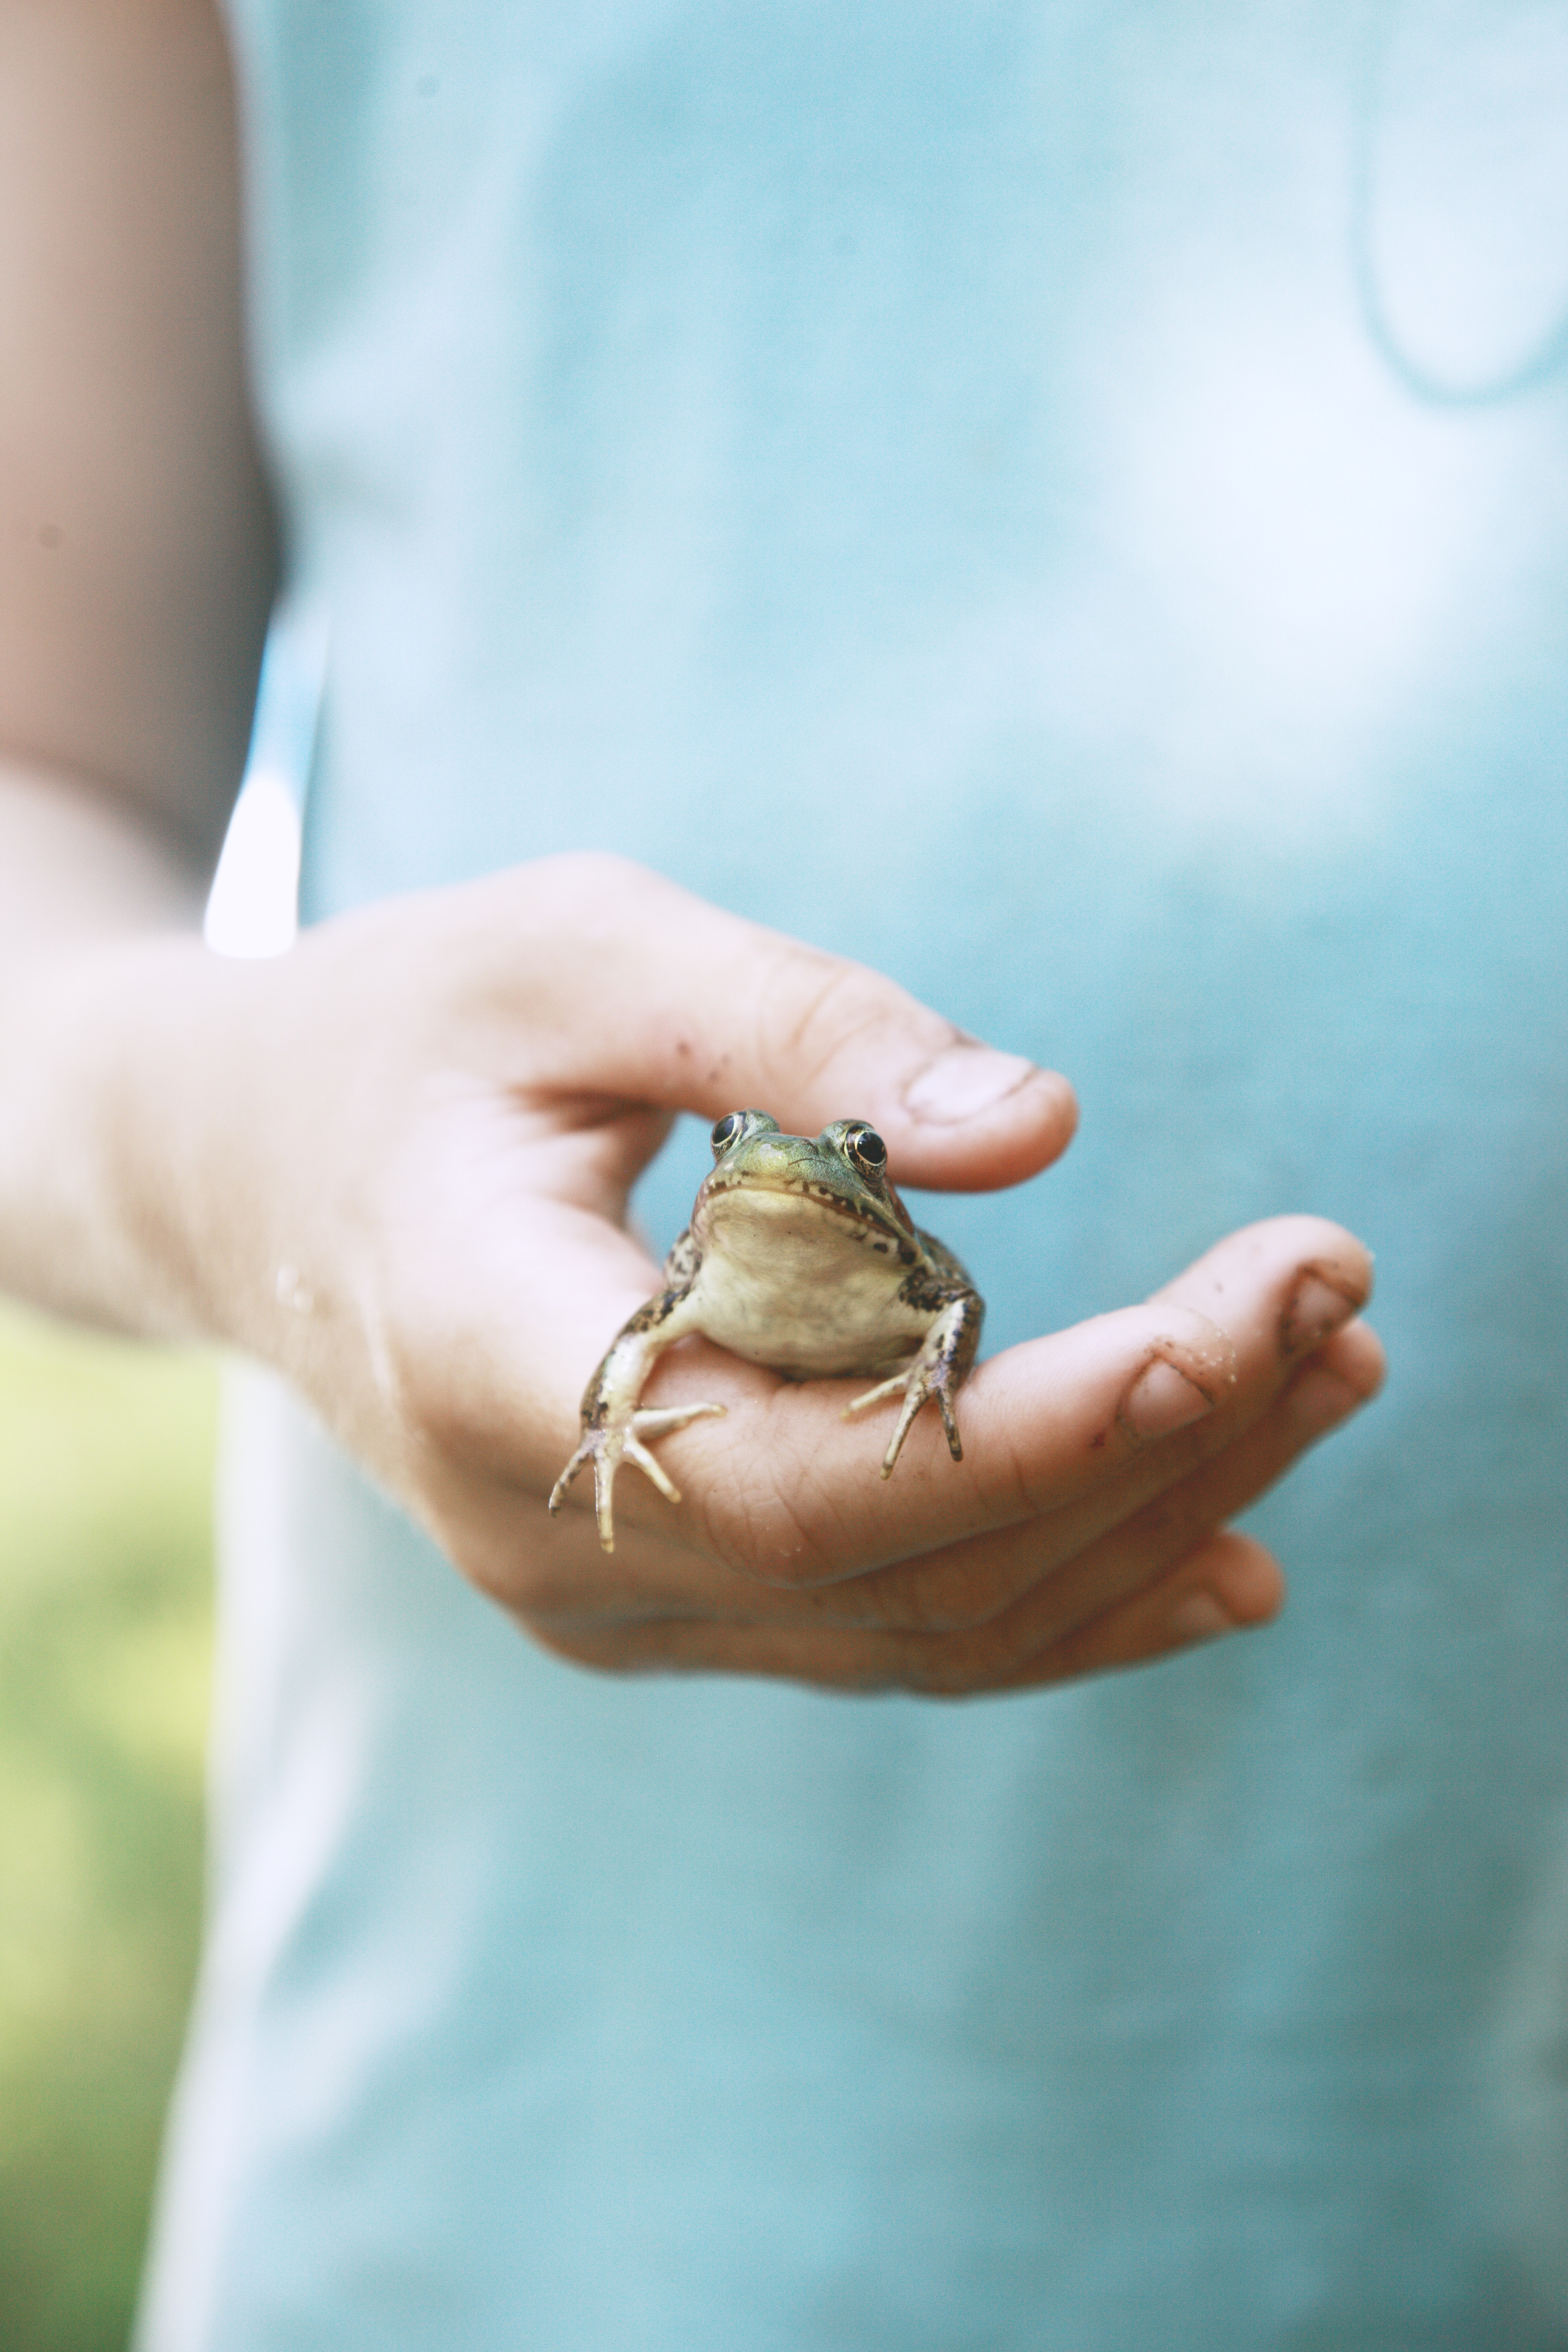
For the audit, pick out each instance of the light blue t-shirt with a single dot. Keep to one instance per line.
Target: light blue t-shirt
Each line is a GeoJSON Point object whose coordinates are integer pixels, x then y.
{"type": "Point", "coordinates": [1068, 505]}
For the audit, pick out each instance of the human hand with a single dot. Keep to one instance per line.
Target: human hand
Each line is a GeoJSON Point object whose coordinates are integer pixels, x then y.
{"type": "Point", "coordinates": [406, 1187]}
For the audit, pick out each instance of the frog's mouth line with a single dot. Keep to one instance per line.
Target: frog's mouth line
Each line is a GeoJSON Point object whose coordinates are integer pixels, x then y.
{"type": "Point", "coordinates": [866, 1219]}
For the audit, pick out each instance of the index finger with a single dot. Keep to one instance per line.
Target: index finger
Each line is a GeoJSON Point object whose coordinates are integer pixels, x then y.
{"type": "Point", "coordinates": [636, 990]}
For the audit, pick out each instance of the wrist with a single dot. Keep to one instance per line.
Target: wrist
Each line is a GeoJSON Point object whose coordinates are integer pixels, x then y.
{"type": "Point", "coordinates": [108, 1100]}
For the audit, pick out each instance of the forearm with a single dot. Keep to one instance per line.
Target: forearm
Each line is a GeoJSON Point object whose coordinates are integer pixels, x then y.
{"type": "Point", "coordinates": [138, 563]}
{"type": "Point", "coordinates": [98, 944]}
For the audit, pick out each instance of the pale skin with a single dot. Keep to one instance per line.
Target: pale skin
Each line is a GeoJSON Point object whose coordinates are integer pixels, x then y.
{"type": "Point", "coordinates": [394, 1164]}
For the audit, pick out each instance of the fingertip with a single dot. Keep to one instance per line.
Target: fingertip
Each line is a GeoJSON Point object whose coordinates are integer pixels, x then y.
{"type": "Point", "coordinates": [1333, 1281]}
{"type": "Point", "coordinates": [1336, 1380]}
{"type": "Point", "coordinates": [980, 1118]}
{"type": "Point", "coordinates": [1228, 1585]}
{"type": "Point", "coordinates": [1196, 1617]}
{"type": "Point", "coordinates": [1357, 1356]}
{"type": "Point", "coordinates": [1250, 1581]}
{"type": "Point", "coordinates": [1053, 1105]}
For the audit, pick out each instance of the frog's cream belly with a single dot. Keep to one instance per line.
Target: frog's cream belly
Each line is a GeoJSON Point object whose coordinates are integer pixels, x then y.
{"type": "Point", "coordinates": [805, 1290]}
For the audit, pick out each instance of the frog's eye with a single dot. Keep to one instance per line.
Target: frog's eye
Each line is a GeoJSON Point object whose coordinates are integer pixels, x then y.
{"type": "Point", "coordinates": [867, 1149]}
{"type": "Point", "coordinates": [728, 1129]}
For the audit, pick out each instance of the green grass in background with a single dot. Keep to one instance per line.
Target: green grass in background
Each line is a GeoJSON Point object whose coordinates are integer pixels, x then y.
{"type": "Point", "coordinates": [105, 1622]}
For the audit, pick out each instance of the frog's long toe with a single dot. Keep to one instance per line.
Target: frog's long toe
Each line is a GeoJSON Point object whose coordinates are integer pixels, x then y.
{"type": "Point", "coordinates": [897, 1386]}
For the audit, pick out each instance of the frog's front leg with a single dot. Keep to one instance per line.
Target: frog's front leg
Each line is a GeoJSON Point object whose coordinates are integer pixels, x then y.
{"type": "Point", "coordinates": [613, 1425]}
{"type": "Point", "coordinates": [938, 1371]}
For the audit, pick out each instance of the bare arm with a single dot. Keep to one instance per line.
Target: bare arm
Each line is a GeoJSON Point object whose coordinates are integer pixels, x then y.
{"type": "Point", "coordinates": [137, 550]}
{"type": "Point", "coordinates": [137, 561]}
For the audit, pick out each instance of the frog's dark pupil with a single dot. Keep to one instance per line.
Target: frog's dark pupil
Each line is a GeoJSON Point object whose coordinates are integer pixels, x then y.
{"type": "Point", "coordinates": [727, 1129]}
{"type": "Point", "coordinates": [869, 1148]}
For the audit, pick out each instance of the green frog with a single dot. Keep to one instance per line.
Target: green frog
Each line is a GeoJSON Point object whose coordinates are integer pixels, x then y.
{"type": "Point", "coordinates": [800, 1255]}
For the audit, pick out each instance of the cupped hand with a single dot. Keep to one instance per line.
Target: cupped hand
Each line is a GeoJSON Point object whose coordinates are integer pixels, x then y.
{"type": "Point", "coordinates": [407, 1190]}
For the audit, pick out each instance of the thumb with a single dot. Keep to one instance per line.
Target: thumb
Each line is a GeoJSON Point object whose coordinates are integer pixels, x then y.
{"type": "Point", "coordinates": [671, 1001]}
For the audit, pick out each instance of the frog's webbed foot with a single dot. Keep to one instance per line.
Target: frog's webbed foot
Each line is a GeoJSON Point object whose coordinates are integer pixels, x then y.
{"type": "Point", "coordinates": [614, 1424]}
{"type": "Point", "coordinates": [914, 1386]}
{"type": "Point", "coordinates": [938, 1371]}
{"type": "Point", "coordinates": [619, 1439]}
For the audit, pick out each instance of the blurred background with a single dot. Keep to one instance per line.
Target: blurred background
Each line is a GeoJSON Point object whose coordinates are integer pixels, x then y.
{"type": "Point", "coordinates": [106, 1455]}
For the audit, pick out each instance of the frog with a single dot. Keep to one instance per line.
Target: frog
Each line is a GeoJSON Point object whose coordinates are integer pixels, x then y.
{"type": "Point", "coordinates": [799, 1256]}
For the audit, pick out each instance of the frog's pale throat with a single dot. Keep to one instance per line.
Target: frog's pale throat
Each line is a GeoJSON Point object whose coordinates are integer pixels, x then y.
{"type": "Point", "coordinates": [805, 1286]}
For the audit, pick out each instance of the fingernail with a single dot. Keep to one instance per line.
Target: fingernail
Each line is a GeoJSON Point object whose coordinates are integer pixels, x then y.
{"type": "Point", "coordinates": [963, 1080]}
{"type": "Point", "coordinates": [1198, 1617]}
{"type": "Point", "coordinates": [1314, 1309]}
{"type": "Point", "coordinates": [1320, 1399]}
{"type": "Point", "coordinates": [1163, 1399]}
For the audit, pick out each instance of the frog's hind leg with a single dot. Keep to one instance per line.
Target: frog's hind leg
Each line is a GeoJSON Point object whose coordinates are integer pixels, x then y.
{"type": "Point", "coordinates": [614, 1424]}
{"type": "Point", "coordinates": [607, 1447]}
{"type": "Point", "coordinates": [914, 1387]}
{"type": "Point", "coordinates": [938, 1371]}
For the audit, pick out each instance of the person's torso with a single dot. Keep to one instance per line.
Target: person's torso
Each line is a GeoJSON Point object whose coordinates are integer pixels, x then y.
{"type": "Point", "coordinates": [1066, 505]}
